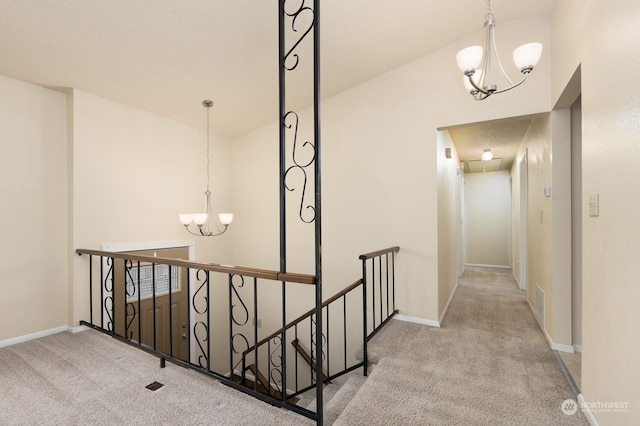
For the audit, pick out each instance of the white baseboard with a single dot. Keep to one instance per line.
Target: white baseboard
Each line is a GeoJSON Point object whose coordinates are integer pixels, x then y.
{"type": "Point", "coordinates": [78, 329]}
{"type": "Point", "coordinates": [587, 411]}
{"type": "Point", "coordinates": [416, 320]}
{"type": "Point", "coordinates": [560, 347]}
{"type": "Point", "coordinates": [32, 336]}
{"type": "Point", "coordinates": [446, 308]}
{"type": "Point", "coordinates": [480, 265]}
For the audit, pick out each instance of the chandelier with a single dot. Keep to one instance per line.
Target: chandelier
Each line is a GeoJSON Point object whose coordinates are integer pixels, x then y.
{"type": "Point", "coordinates": [205, 222]}
{"type": "Point", "coordinates": [476, 62]}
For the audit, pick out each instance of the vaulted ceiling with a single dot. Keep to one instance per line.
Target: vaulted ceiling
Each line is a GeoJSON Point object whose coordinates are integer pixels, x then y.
{"type": "Point", "coordinates": [166, 56]}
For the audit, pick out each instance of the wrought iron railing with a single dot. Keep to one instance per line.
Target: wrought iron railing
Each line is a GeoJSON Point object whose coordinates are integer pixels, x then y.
{"type": "Point", "coordinates": [201, 316]}
{"type": "Point", "coordinates": [211, 317]}
{"type": "Point", "coordinates": [350, 318]}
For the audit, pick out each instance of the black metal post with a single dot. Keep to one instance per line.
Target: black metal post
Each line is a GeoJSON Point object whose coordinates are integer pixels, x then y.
{"type": "Point", "coordinates": [153, 290]}
{"type": "Point", "coordinates": [318, 203]}
{"type": "Point", "coordinates": [364, 317]}
{"type": "Point", "coordinates": [170, 316]}
{"type": "Point", "coordinates": [139, 308]}
{"type": "Point", "coordinates": [91, 289]}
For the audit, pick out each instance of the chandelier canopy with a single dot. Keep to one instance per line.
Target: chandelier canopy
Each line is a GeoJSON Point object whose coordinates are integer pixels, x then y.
{"type": "Point", "coordinates": [477, 64]}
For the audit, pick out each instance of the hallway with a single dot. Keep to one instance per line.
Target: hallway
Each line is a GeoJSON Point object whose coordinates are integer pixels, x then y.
{"type": "Point", "coordinates": [489, 363]}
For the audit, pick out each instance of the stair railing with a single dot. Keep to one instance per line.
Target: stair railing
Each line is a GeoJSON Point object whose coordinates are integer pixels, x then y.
{"type": "Point", "coordinates": [382, 271]}
{"type": "Point", "coordinates": [369, 302]}
{"type": "Point", "coordinates": [207, 317]}
{"type": "Point", "coordinates": [198, 315]}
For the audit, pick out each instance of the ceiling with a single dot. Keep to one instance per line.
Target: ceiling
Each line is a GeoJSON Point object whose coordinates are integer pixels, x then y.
{"type": "Point", "coordinates": [166, 56]}
{"type": "Point", "coordinates": [502, 137]}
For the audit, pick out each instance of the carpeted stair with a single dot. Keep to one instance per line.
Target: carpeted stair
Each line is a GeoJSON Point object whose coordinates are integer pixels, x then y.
{"type": "Point", "coordinates": [336, 398]}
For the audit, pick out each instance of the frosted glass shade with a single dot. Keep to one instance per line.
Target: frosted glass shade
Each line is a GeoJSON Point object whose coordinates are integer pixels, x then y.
{"type": "Point", "coordinates": [200, 218]}
{"type": "Point", "coordinates": [469, 58]}
{"type": "Point", "coordinates": [185, 218]}
{"type": "Point", "coordinates": [527, 56]}
{"type": "Point", "coordinates": [225, 218]}
{"type": "Point", "coordinates": [477, 76]}
{"type": "Point", "coordinates": [487, 155]}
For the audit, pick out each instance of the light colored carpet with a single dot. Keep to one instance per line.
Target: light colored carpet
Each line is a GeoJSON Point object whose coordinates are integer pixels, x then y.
{"type": "Point", "coordinates": [90, 379]}
{"type": "Point", "coordinates": [489, 364]}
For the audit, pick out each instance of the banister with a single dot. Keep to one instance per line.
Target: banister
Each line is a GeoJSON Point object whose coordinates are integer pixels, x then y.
{"type": "Point", "coordinates": [378, 253]}
{"type": "Point", "coordinates": [213, 267]}
{"type": "Point", "coordinates": [305, 315]}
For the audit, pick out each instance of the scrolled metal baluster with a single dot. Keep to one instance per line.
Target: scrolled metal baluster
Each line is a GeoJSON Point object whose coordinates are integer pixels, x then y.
{"type": "Point", "coordinates": [297, 12]}
{"type": "Point", "coordinates": [107, 303]}
{"type": "Point", "coordinates": [200, 339]}
{"type": "Point", "coordinates": [203, 357]}
{"type": "Point", "coordinates": [130, 291]}
{"type": "Point", "coordinates": [245, 310]}
{"type": "Point", "coordinates": [204, 281]}
{"type": "Point", "coordinates": [314, 342]}
{"type": "Point", "coordinates": [275, 364]}
{"type": "Point", "coordinates": [299, 166]}
{"type": "Point", "coordinates": [236, 282]}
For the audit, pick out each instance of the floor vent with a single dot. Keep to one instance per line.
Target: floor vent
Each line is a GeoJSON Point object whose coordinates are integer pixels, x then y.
{"type": "Point", "coordinates": [540, 309]}
{"type": "Point", "coordinates": [154, 386]}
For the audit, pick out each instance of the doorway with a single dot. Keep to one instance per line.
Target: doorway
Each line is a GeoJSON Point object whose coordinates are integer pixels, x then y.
{"type": "Point", "coordinates": [155, 298]}
{"type": "Point", "coordinates": [523, 222]}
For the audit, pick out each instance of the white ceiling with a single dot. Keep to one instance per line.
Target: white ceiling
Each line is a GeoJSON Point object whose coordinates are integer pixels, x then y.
{"type": "Point", "coordinates": [166, 56]}
{"type": "Point", "coordinates": [502, 137]}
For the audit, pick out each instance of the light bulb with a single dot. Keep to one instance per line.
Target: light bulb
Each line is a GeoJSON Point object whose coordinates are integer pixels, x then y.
{"type": "Point", "coordinates": [527, 56]}
{"type": "Point", "coordinates": [200, 218]}
{"type": "Point", "coordinates": [469, 58]}
{"type": "Point", "coordinates": [225, 218]}
{"type": "Point", "coordinates": [185, 218]}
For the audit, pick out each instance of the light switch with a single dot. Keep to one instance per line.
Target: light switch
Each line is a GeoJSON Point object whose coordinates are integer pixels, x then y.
{"type": "Point", "coordinates": [594, 205]}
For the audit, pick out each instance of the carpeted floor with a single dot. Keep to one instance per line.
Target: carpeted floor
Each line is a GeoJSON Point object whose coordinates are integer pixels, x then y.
{"type": "Point", "coordinates": [91, 379]}
{"type": "Point", "coordinates": [488, 364]}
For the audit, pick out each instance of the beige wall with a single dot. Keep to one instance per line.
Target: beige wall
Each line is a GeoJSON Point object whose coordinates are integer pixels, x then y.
{"type": "Point", "coordinates": [448, 214]}
{"type": "Point", "coordinates": [133, 172]}
{"type": "Point", "coordinates": [488, 218]}
{"type": "Point", "coordinates": [537, 145]}
{"type": "Point", "coordinates": [602, 37]}
{"type": "Point", "coordinates": [33, 209]}
{"type": "Point", "coordinates": [380, 175]}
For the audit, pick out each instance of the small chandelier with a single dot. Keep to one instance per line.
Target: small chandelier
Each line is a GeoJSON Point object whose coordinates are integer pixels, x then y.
{"type": "Point", "coordinates": [476, 62]}
{"type": "Point", "coordinates": [205, 222]}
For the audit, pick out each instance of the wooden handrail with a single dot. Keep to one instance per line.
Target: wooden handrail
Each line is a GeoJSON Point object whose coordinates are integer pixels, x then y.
{"type": "Point", "coordinates": [305, 315]}
{"type": "Point", "coordinates": [212, 267]}
{"type": "Point", "coordinates": [379, 253]}
{"type": "Point", "coordinates": [296, 344]}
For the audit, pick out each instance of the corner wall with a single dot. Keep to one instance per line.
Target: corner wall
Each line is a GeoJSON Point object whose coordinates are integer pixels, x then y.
{"type": "Point", "coordinates": [33, 209]}
{"type": "Point", "coordinates": [448, 217]}
{"type": "Point", "coordinates": [602, 38]}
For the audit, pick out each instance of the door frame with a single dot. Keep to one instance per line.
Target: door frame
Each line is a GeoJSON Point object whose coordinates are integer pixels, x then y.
{"type": "Point", "coordinates": [158, 245]}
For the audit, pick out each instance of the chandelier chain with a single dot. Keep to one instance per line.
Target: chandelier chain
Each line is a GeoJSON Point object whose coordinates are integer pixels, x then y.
{"type": "Point", "coordinates": [208, 105]}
